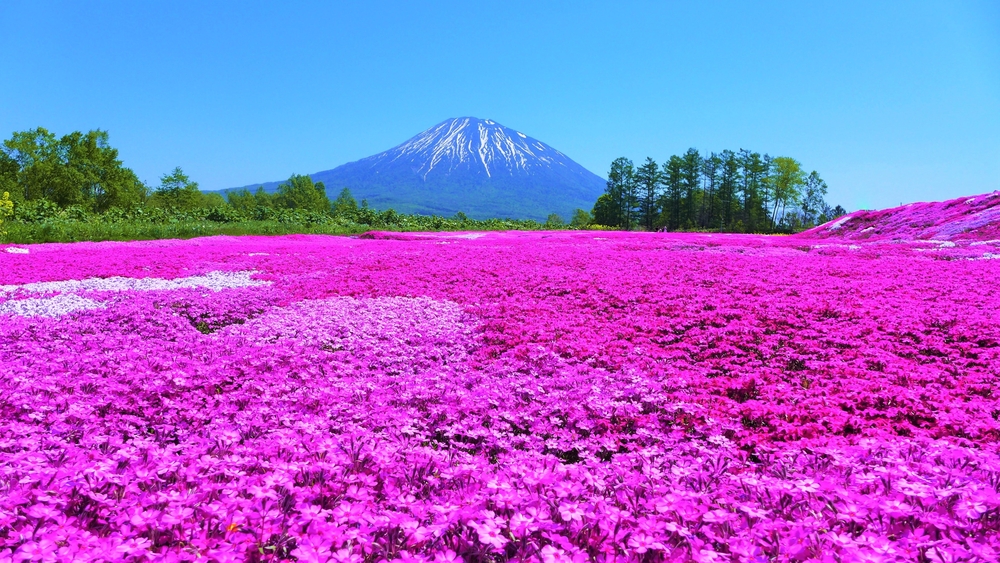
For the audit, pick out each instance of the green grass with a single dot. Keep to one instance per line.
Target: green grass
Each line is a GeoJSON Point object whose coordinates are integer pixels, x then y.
{"type": "Point", "coordinates": [97, 228]}
{"type": "Point", "coordinates": [74, 231]}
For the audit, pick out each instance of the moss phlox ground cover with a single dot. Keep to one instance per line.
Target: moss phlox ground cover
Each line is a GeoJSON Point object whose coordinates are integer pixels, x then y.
{"type": "Point", "coordinates": [547, 397]}
{"type": "Point", "coordinates": [967, 219]}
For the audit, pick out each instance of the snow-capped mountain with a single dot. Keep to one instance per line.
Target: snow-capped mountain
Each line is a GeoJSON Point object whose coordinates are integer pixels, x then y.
{"type": "Point", "coordinates": [477, 146]}
{"type": "Point", "coordinates": [472, 165]}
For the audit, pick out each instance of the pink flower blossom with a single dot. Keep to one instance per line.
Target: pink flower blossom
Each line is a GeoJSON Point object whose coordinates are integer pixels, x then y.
{"type": "Point", "coordinates": [489, 533]}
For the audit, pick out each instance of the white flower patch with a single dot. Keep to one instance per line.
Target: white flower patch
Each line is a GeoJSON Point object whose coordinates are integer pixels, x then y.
{"type": "Point", "coordinates": [943, 243]}
{"type": "Point", "coordinates": [839, 223]}
{"type": "Point", "coordinates": [56, 306]}
{"type": "Point", "coordinates": [16, 250]}
{"type": "Point", "coordinates": [215, 281]}
{"type": "Point", "coordinates": [66, 299]}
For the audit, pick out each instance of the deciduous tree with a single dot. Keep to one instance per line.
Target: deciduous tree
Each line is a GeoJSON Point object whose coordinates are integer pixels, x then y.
{"type": "Point", "coordinates": [786, 183]}
{"type": "Point", "coordinates": [581, 219]}
{"type": "Point", "coordinates": [299, 192]}
{"type": "Point", "coordinates": [606, 211]}
{"type": "Point", "coordinates": [345, 204]}
{"type": "Point", "coordinates": [76, 169]}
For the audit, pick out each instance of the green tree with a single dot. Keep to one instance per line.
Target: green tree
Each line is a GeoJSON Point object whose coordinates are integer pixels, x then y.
{"type": "Point", "coordinates": [710, 167]}
{"type": "Point", "coordinates": [830, 213]}
{"type": "Point", "coordinates": [256, 205]}
{"type": "Point", "coordinates": [554, 221]}
{"type": "Point", "coordinates": [262, 198]}
{"type": "Point", "coordinates": [729, 181]}
{"type": "Point", "coordinates": [581, 219]}
{"type": "Point", "coordinates": [178, 192]}
{"type": "Point", "coordinates": [786, 183]}
{"type": "Point", "coordinates": [299, 192]}
{"type": "Point", "coordinates": [648, 180]}
{"type": "Point", "coordinates": [813, 199]}
{"type": "Point", "coordinates": [690, 180]}
{"type": "Point", "coordinates": [754, 168]}
{"type": "Point", "coordinates": [345, 204]}
{"type": "Point", "coordinates": [242, 201]}
{"type": "Point", "coordinates": [8, 174]}
{"type": "Point", "coordinates": [606, 212]}
{"type": "Point", "coordinates": [34, 154]}
{"type": "Point", "coordinates": [621, 189]}
{"type": "Point", "coordinates": [765, 190]}
{"type": "Point", "coordinates": [76, 169]}
{"type": "Point", "coordinates": [104, 179]}
{"type": "Point", "coordinates": [672, 199]}
{"type": "Point", "coordinates": [728, 191]}
{"type": "Point", "coordinates": [6, 210]}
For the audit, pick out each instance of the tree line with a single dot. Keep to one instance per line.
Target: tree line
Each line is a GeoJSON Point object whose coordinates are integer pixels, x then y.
{"type": "Point", "coordinates": [62, 188]}
{"type": "Point", "coordinates": [83, 171]}
{"type": "Point", "coordinates": [730, 191]}
{"type": "Point", "coordinates": [80, 175]}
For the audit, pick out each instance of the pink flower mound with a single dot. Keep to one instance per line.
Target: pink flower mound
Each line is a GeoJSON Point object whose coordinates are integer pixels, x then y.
{"type": "Point", "coordinates": [975, 218]}
{"type": "Point", "coordinates": [510, 397]}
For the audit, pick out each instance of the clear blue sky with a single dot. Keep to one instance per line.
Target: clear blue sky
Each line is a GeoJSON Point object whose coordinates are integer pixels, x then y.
{"type": "Point", "coordinates": [890, 101]}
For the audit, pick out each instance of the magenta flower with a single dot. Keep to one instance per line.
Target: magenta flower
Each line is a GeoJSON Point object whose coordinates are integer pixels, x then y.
{"type": "Point", "coordinates": [489, 533]}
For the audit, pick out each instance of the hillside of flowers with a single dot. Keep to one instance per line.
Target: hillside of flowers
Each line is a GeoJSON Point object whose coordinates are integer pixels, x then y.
{"type": "Point", "coordinates": [488, 397]}
{"type": "Point", "coordinates": [969, 219]}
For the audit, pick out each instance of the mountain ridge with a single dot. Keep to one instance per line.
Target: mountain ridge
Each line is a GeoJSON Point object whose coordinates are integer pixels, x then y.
{"type": "Point", "coordinates": [476, 166]}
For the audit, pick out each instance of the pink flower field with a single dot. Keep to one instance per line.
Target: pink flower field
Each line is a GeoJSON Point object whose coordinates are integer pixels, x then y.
{"type": "Point", "coordinates": [553, 397]}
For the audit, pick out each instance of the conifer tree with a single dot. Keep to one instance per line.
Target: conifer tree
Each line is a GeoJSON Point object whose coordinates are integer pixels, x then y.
{"type": "Point", "coordinates": [673, 194]}
{"type": "Point", "coordinates": [177, 191]}
{"type": "Point", "coordinates": [621, 191]}
{"type": "Point", "coordinates": [648, 179]}
{"type": "Point", "coordinates": [813, 199]}
{"type": "Point", "coordinates": [690, 180]}
{"type": "Point", "coordinates": [710, 167]}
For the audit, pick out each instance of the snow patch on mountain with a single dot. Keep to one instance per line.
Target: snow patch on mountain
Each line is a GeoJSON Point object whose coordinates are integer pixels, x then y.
{"type": "Point", "coordinates": [476, 166]}
{"type": "Point", "coordinates": [458, 143]}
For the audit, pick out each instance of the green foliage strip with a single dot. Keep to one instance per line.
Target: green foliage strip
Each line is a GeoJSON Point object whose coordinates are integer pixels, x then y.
{"type": "Point", "coordinates": [62, 189]}
{"type": "Point", "coordinates": [727, 192]}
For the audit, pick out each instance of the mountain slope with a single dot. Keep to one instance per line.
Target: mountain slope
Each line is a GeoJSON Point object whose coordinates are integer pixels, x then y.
{"type": "Point", "coordinates": [471, 165]}
{"type": "Point", "coordinates": [966, 218]}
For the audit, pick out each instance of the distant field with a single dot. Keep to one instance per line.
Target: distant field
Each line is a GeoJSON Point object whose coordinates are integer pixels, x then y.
{"type": "Point", "coordinates": [546, 396]}
{"type": "Point", "coordinates": [76, 231]}
{"type": "Point", "coordinates": [95, 229]}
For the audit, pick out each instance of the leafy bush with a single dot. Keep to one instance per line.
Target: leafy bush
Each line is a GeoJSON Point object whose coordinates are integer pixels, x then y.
{"type": "Point", "coordinates": [6, 210]}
